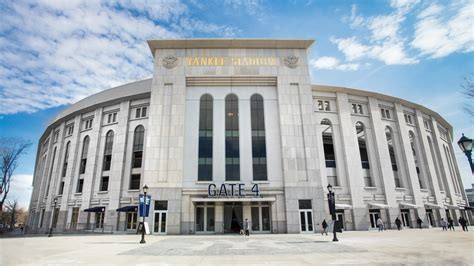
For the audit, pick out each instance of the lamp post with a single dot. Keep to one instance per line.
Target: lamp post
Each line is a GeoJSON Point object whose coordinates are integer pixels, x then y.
{"type": "Point", "coordinates": [466, 146]}
{"type": "Point", "coordinates": [55, 201]}
{"type": "Point", "coordinates": [332, 210]}
{"type": "Point", "coordinates": [145, 189]}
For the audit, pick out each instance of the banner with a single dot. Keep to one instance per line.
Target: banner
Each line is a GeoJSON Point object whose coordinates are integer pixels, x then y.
{"type": "Point", "coordinates": [141, 207]}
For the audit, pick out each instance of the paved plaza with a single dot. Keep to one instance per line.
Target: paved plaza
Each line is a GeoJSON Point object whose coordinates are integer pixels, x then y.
{"type": "Point", "coordinates": [412, 246]}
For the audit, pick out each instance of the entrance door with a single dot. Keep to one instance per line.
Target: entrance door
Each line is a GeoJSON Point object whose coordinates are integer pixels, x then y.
{"type": "Point", "coordinates": [406, 218]}
{"type": "Point", "coordinates": [233, 222]}
{"type": "Point", "coordinates": [429, 214]}
{"type": "Point", "coordinates": [341, 220]}
{"type": "Point", "coordinates": [159, 224]}
{"type": "Point", "coordinates": [306, 221]}
{"type": "Point", "coordinates": [374, 216]}
{"type": "Point", "coordinates": [159, 216]}
{"type": "Point", "coordinates": [260, 217]}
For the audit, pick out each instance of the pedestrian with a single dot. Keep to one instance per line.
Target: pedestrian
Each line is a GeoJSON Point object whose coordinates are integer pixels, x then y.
{"type": "Point", "coordinates": [380, 224]}
{"type": "Point", "coordinates": [444, 224]}
{"type": "Point", "coordinates": [247, 227]}
{"type": "Point", "coordinates": [398, 223]}
{"type": "Point", "coordinates": [419, 222]}
{"type": "Point", "coordinates": [463, 224]}
{"type": "Point", "coordinates": [324, 224]}
{"type": "Point", "coordinates": [451, 224]}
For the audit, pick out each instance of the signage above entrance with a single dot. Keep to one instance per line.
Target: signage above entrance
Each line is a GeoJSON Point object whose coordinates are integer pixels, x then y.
{"type": "Point", "coordinates": [231, 61]}
{"type": "Point", "coordinates": [232, 190]}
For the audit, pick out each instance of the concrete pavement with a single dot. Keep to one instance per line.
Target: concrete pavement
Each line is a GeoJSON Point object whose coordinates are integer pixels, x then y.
{"type": "Point", "coordinates": [411, 246]}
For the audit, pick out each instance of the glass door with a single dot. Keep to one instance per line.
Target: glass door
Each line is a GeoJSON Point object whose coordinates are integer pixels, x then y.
{"type": "Point", "coordinates": [405, 219]}
{"type": "Point", "coordinates": [260, 218]}
{"type": "Point", "coordinates": [340, 220]}
{"type": "Point", "coordinates": [205, 217]}
{"type": "Point", "coordinates": [306, 221]}
{"type": "Point", "coordinates": [429, 214]}
{"type": "Point", "coordinates": [374, 216]}
{"type": "Point", "coordinates": [159, 222]}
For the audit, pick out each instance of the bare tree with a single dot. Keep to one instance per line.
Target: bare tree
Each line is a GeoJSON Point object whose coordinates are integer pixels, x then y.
{"type": "Point", "coordinates": [11, 208]}
{"type": "Point", "coordinates": [468, 91]}
{"type": "Point", "coordinates": [11, 150]}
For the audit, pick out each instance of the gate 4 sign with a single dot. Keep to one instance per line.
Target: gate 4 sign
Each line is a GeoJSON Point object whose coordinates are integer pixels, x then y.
{"type": "Point", "coordinates": [141, 206]}
{"type": "Point", "coordinates": [232, 190]}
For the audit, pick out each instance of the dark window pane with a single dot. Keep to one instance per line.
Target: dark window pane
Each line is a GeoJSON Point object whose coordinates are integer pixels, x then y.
{"type": "Point", "coordinates": [135, 181]}
{"type": "Point", "coordinates": [107, 162]}
{"type": "Point", "coordinates": [137, 159]}
{"type": "Point", "coordinates": [82, 168]}
{"type": "Point", "coordinates": [80, 183]}
{"type": "Point", "coordinates": [232, 153]}
{"type": "Point", "coordinates": [304, 204]}
{"type": "Point", "coordinates": [161, 205]}
{"type": "Point", "coordinates": [259, 150]}
{"type": "Point", "coordinates": [61, 188]}
{"type": "Point", "coordinates": [105, 183]}
{"type": "Point", "coordinates": [143, 111]}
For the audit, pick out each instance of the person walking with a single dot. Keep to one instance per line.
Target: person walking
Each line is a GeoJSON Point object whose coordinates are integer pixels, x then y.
{"type": "Point", "coordinates": [247, 227]}
{"type": "Point", "coordinates": [324, 224]}
{"type": "Point", "coordinates": [419, 222]}
{"type": "Point", "coordinates": [463, 224]}
{"type": "Point", "coordinates": [380, 224]}
{"type": "Point", "coordinates": [444, 224]}
{"type": "Point", "coordinates": [398, 223]}
{"type": "Point", "coordinates": [451, 224]}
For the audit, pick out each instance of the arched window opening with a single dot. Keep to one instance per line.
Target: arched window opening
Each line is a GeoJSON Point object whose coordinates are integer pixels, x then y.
{"type": "Point", "coordinates": [441, 182]}
{"type": "Point", "coordinates": [259, 149]}
{"type": "Point", "coordinates": [393, 160]}
{"type": "Point", "coordinates": [66, 159]}
{"type": "Point", "coordinates": [109, 142]}
{"type": "Point", "coordinates": [85, 150]}
{"type": "Point", "coordinates": [413, 146]}
{"type": "Point", "coordinates": [205, 138]}
{"type": "Point", "coordinates": [364, 156]}
{"type": "Point", "coordinates": [328, 144]}
{"type": "Point", "coordinates": [138, 139]}
{"type": "Point", "coordinates": [232, 152]}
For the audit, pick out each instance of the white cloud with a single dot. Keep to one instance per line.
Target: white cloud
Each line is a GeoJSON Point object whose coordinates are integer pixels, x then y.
{"type": "Point", "coordinates": [385, 42]}
{"type": "Point", "coordinates": [331, 63]}
{"type": "Point", "coordinates": [20, 189]}
{"type": "Point", "coordinates": [441, 31]}
{"type": "Point", "coordinates": [56, 52]}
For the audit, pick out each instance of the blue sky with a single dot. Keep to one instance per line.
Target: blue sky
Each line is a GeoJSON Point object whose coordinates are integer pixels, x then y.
{"type": "Point", "coordinates": [54, 53]}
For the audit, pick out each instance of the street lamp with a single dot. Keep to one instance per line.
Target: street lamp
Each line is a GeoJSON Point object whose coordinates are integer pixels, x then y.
{"type": "Point", "coordinates": [145, 190]}
{"type": "Point", "coordinates": [55, 201]}
{"type": "Point", "coordinates": [466, 146]}
{"type": "Point", "coordinates": [332, 210]}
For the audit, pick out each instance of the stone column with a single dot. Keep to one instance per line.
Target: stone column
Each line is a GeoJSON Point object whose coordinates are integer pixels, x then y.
{"type": "Point", "coordinates": [117, 168]}
{"type": "Point", "coordinates": [352, 164]}
{"type": "Point", "coordinates": [384, 163]}
{"type": "Point", "coordinates": [409, 161]}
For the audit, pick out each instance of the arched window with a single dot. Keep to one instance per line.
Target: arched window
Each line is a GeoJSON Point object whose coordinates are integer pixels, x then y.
{"type": "Point", "coordinates": [66, 158]}
{"type": "Point", "coordinates": [329, 154]}
{"type": "Point", "coordinates": [109, 142]}
{"type": "Point", "coordinates": [328, 145]}
{"type": "Point", "coordinates": [85, 150]}
{"type": "Point", "coordinates": [393, 160]}
{"type": "Point", "coordinates": [441, 182]}
{"type": "Point", "coordinates": [138, 139]}
{"type": "Point", "coordinates": [205, 138]}
{"type": "Point", "coordinates": [364, 156]}
{"type": "Point", "coordinates": [413, 146]}
{"type": "Point", "coordinates": [232, 152]}
{"type": "Point", "coordinates": [51, 171]}
{"type": "Point", "coordinates": [451, 169]}
{"type": "Point", "coordinates": [259, 149]}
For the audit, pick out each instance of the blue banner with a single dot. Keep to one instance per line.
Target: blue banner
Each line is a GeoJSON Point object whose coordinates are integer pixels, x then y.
{"type": "Point", "coordinates": [141, 204]}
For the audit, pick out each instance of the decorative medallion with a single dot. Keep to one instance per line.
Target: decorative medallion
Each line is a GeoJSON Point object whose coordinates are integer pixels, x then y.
{"type": "Point", "coordinates": [291, 61]}
{"type": "Point", "coordinates": [170, 61]}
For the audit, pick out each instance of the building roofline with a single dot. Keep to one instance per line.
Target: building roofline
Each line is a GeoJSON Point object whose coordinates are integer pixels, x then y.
{"type": "Point", "coordinates": [229, 43]}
